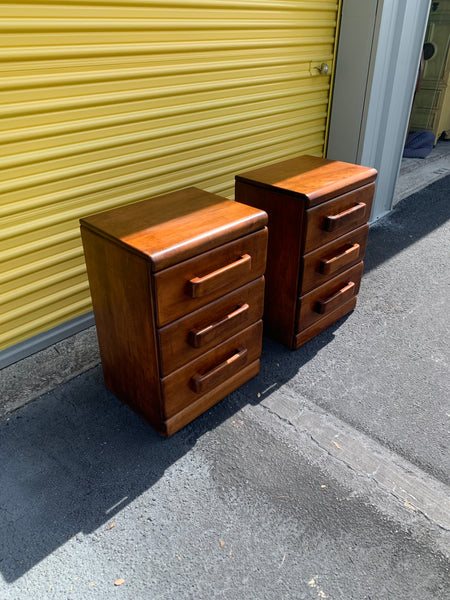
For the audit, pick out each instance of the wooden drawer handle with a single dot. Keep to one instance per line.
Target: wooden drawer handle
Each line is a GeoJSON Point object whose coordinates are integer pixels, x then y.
{"type": "Point", "coordinates": [201, 286]}
{"type": "Point", "coordinates": [347, 218]}
{"type": "Point", "coordinates": [202, 382]}
{"type": "Point", "coordinates": [200, 337]}
{"type": "Point", "coordinates": [325, 306]}
{"type": "Point", "coordinates": [332, 265]}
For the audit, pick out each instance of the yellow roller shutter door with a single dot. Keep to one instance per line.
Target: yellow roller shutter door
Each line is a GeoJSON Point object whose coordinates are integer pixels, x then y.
{"type": "Point", "coordinates": [108, 102]}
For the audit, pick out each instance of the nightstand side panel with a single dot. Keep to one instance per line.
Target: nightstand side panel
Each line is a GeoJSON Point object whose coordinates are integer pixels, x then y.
{"type": "Point", "coordinates": [120, 284]}
{"type": "Point", "coordinates": [286, 218]}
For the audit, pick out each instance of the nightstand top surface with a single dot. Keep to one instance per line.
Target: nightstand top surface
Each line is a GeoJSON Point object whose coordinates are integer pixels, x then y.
{"type": "Point", "coordinates": [176, 226]}
{"type": "Point", "coordinates": [310, 177]}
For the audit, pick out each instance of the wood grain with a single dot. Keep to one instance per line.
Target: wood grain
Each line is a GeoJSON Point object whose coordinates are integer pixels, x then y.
{"type": "Point", "coordinates": [177, 389]}
{"type": "Point", "coordinates": [332, 302]}
{"type": "Point", "coordinates": [121, 296]}
{"type": "Point", "coordinates": [335, 255]}
{"type": "Point", "coordinates": [318, 326]}
{"type": "Point", "coordinates": [327, 295]}
{"type": "Point", "coordinates": [222, 277]}
{"type": "Point", "coordinates": [285, 222]}
{"type": "Point", "coordinates": [348, 218]}
{"type": "Point", "coordinates": [175, 345]}
{"type": "Point", "coordinates": [203, 382]}
{"type": "Point", "coordinates": [344, 258]}
{"type": "Point", "coordinates": [203, 403]}
{"type": "Point", "coordinates": [313, 179]}
{"type": "Point", "coordinates": [173, 227]}
{"type": "Point", "coordinates": [316, 218]}
{"type": "Point", "coordinates": [173, 288]}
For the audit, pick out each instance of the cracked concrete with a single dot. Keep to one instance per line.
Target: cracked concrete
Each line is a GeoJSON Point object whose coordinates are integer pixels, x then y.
{"type": "Point", "coordinates": [26, 380]}
{"type": "Point", "coordinates": [239, 504]}
{"type": "Point", "coordinates": [407, 483]}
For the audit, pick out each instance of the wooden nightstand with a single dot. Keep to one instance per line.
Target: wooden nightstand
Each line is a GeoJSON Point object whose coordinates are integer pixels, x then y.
{"type": "Point", "coordinates": [177, 288]}
{"type": "Point", "coordinates": [318, 212]}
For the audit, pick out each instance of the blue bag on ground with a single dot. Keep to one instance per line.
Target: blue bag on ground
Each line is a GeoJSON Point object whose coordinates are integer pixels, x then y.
{"type": "Point", "coordinates": [418, 144]}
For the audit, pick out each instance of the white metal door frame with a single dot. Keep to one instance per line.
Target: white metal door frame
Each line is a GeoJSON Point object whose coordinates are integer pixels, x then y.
{"type": "Point", "coordinates": [376, 71]}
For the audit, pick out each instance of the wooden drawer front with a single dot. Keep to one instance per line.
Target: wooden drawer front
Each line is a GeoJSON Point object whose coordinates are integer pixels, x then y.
{"type": "Point", "coordinates": [195, 282]}
{"type": "Point", "coordinates": [328, 297]}
{"type": "Point", "coordinates": [306, 334]}
{"type": "Point", "coordinates": [328, 261]}
{"type": "Point", "coordinates": [198, 332]}
{"type": "Point", "coordinates": [336, 217]}
{"type": "Point", "coordinates": [186, 385]}
{"type": "Point", "coordinates": [210, 398]}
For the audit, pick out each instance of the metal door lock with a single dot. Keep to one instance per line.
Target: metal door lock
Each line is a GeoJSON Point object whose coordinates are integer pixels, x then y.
{"type": "Point", "coordinates": [323, 69]}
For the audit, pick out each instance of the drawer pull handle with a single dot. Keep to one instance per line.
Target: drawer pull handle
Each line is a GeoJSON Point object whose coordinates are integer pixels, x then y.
{"type": "Point", "coordinates": [202, 382]}
{"type": "Point", "coordinates": [325, 306]}
{"type": "Point", "coordinates": [201, 286]}
{"type": "Point", "coordinates": [200, 337]}
{"type": "Point", "coordinates": [347, 218]}
{"type": "Point", "coordinates": [332, 265]}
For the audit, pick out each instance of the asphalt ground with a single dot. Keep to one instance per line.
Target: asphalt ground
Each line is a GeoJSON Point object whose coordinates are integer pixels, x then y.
{"type": "Point", "coordinates": [326, 476]}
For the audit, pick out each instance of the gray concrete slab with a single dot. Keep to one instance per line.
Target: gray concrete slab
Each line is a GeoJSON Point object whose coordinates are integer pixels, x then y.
{"type": "Point", "coordinates": [417, 173]}
{"type": "Point", "coordinates": [29, 378]}
{"type": "Point", "coordinates": [240, 504]}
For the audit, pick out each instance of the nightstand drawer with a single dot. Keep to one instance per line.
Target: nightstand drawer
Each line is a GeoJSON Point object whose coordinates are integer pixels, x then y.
{"type": "Point", "coordinates": [195, 282]}
{"type": "Point", "coordinates": [328, 261]}
{"type": "Point", "coordinates": [328, 297]}
{"type": "Point", "coordinates": [336, 217]}
{"type": "Point", "coordinates": [202, 375]}
{"type": "Point", "coordinates": [192, 335]}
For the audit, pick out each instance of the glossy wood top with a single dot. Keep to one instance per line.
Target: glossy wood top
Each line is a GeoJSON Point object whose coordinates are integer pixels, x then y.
{"type": "Point", "coordinates": [176, 226]}
{"type": "Point", "coordinates": [314, 179]}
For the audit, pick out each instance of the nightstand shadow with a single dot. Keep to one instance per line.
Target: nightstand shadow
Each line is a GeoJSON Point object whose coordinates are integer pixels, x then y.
{"type": "Point", "coordinates": [77, 456]}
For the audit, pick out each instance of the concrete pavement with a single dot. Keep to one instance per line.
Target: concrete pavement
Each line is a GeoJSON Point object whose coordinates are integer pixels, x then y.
{"type": "Point", "coordinates": [324, 477]}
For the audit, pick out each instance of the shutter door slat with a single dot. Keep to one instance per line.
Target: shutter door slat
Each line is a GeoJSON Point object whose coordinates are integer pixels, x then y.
{"type": "Point", "coordinates": [109, 102]}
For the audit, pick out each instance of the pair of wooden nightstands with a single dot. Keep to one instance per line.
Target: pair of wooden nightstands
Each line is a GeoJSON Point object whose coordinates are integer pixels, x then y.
{"type": "Point", "coordinates": [177, 282]}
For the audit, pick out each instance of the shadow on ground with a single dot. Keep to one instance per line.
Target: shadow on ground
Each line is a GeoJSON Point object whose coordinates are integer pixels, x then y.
{"type": "Point", "coordinates": [412, 219]}
{"type": "Point", "coordinates": [75, 457]}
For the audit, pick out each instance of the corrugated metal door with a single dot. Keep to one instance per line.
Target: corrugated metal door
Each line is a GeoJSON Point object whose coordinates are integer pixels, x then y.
{"type": "Point", "coordinates": [108, 102]}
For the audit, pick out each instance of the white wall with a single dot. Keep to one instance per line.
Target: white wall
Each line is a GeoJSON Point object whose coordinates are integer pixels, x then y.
{"type": "Point", "coordinates": [376, 71]}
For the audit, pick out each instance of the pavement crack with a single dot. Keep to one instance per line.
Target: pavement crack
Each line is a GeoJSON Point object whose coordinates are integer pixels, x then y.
{"type": "Point", "coordinates": [400, 498]}
{"type": "Point", "coordinates": [412, 488]}
{"type": "Point", "coordinates": [284, 419]}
